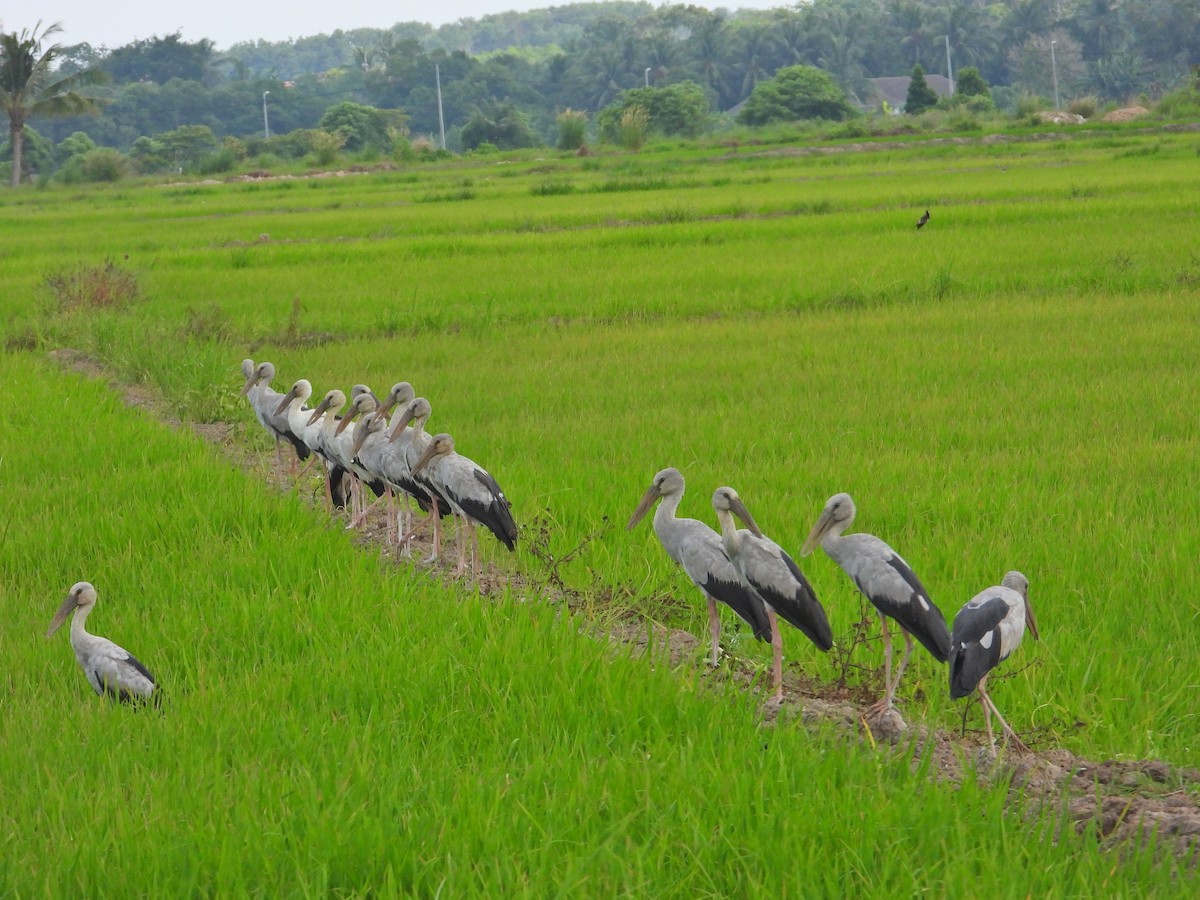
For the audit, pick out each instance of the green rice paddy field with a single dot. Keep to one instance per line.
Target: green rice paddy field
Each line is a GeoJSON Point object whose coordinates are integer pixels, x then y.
{"type": "Point", "coordinates": [1014, 386]}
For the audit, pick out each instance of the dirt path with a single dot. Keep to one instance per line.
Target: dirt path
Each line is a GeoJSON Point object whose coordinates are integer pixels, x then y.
{"type": "Point", "coordinates": [1118, 801]}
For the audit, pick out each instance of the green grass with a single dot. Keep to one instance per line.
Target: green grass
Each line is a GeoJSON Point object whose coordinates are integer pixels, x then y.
{"type": "Point", "coordinates": [1013, 387]}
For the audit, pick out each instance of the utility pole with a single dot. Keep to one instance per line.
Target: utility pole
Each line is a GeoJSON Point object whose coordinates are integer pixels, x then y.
{"type": "Point", "coordinates": [1054, 70]}
{"type": "Point", "coordinates": [266, 124]}
{"type": "Point", "coordinates": [949, 73]}
{"type": "Point", "coordinates": [437, 73]}
{"type": "Point", "coordinates": [647, 76]}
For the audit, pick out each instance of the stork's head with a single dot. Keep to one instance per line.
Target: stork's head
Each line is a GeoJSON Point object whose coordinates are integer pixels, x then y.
{"type": "Point", "coordinates": [400, 395]}
{"type": "Point", "coordinates": [363, 403]}
{"type": "Point", "coordinates": [1017, 582]}
{"type": "Point", "coordinates": [666, 483]}
{"type": "Point", "coordinates": [301, 391]}
{"type": "Point", "coordinates": [726, 500]}
{"type": "Point", "coordinates": [439, 445]}
{"type": "Point", "coordinates": [418, 410]}
{"type": "Point", "coordinates": [835, 518]}
{"type": "Point", "coordinates": [247, 368]}
{"type": "Point", "coordinates": [372, 424]}
{"type": "Point", "coordinates": [332, 401]}
{"type": "Point", "coordinates": [81, 596]}
{"type": "Point", "coordinates": [263, 373]}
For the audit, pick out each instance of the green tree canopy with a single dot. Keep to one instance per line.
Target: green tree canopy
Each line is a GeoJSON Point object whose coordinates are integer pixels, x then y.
{"type": "Point", "coordinates": [796, 92]}
{"type": "Point", "coordinates": [971, 84]}
{"type": "Point", "coordinates": [361, 126]}
{"type": "Point", "coordinates": [920, 95]}
{"type": "Point", "coordinates": [499, 123]}
{"type": "Point", "coordinates": [29, 86]}
{"type": "Point", "coordinates": [677, 109]}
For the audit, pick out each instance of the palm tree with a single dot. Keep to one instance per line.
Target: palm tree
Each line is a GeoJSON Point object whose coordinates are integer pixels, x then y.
{"type": "Point", "coordinates": [29, 87]}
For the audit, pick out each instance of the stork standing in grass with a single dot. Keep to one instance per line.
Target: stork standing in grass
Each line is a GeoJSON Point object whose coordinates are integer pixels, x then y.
{"type": "Point", "coordinates": [413, 441]}
{"type": "Point", "coordinates": [110, 669]}
{"type": "Point", "coordinates": [299, 418]}
{"type": "Point", "coordinates": [473, 495]}
{"type": "Point", "coordinates": [265, 403]}
{"type": "Point", "coordinates": [698, 549]}
{"type": "Point", "coordinates": [387, 461]}
{"type": "Point", "coordinates": [888, 582]}
{"type": "Point", "coordinates": [772, 576]}
{"type": "Point", "coordinates": [986, 631]}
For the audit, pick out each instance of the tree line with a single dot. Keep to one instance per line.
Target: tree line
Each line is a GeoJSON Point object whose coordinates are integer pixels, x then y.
{"type": "Point", "coordinates": [516, 73]}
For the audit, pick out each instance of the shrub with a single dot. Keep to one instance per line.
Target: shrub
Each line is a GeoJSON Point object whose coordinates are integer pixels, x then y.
{"type": "Point", "coordinates": [224, 160]}
{"type": "Point", "coordinates": [325, 145]}
{"type": "Point", "coordinates": [1084, 106]}
{"type": "Point", "coordinates": [632, 131]}
{"type": "Point", "coordinates": [572, 129]}
{"type": "Point", "coordinates": [104, 164]}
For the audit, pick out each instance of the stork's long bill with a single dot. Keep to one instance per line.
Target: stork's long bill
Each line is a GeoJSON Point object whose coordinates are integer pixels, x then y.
{"type": "Point", "coordinates": [291, 395]}
{"type": "Point", "coordinates": [425, 457]}
{"type": "Point", "coordinates": [818, 532]}
{"type": "Point", "coordinates": [402, 424]}
{"type": "Point", "coordinates": [738, 508]}
{"type": "Point", "coordinates": [250, 382]}
{"type": "Point", "coordinates": [362, 432]}
{"type": "Point", "coordinates": [643, 507]}
{"type": "Point", "coordinates": [321, 407]}
{"type": "Point", "coordinates": [1030, 620]}
{"type": "Point", "coordinates": [68, 606]}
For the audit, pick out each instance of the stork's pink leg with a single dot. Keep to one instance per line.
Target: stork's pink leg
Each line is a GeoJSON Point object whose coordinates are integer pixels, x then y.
{"type": "Point", "coordinates": [714, 628]}
{"type": "Point", "coordinates": [777, 655]}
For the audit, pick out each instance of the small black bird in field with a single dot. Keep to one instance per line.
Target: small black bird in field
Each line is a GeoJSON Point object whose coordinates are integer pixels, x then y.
{"type": "Point", "coordinates": [921, 221]}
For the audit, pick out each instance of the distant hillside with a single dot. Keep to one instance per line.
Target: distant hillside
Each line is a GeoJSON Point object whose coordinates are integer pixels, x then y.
{"type": "Point", "coordinates": [555, 25]}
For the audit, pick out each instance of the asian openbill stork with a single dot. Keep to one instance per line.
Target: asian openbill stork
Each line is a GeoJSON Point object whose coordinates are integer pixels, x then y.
{"type": "Point", "coordinates": [265, 403]}
{"type": "Point", "coordinates": [921, 222]}
{"type": "Point", "coordinates": [413, 441]}
{"type": "Point", "coordinates": [110, 669]}
{"type": "Point", "coordinates": [888, 582]}
{"type": "Point", "coordinates": [472, 493]}
{"type": "Point", "coordinates": [986, 631]}
{"type": "Point", "coordinates": [773, 576]}
{"type": "Point", "coordinates": [698, 549]}
{"type": "Point", "coordinates": [299, 418]}
{"type": "Point", "coordinates": [388, 461]}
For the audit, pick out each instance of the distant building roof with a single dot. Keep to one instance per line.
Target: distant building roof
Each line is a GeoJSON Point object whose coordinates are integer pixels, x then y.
{"type": "Point", "coordinates": [894, 88]}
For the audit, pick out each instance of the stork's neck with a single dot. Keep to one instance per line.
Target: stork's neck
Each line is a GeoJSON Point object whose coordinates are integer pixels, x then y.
{"type": "Point", "coordinates": [834, 544]}
{"type": "Point", "coordinates": [665, 516]}
{"type": "Point", "coordinates": [78, 632]}
{"type": "Point", "coordinates": [729, 532]}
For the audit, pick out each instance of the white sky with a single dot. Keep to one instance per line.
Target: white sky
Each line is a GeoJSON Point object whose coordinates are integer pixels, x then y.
{"type": "Point", "coordinates": [227, 22]}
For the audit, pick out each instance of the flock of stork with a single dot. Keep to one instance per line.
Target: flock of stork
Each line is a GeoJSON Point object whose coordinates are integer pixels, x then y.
{"type": "Point", "coordinates": [739, 567]}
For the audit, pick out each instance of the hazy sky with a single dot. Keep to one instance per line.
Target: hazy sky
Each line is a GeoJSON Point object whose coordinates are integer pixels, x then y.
{"type": "Point", "coordinates": [228, 21]}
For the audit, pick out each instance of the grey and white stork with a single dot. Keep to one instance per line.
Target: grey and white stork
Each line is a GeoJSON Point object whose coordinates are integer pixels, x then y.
{"type": "Point", "coordinates": [773, 576]}
{"type": "Point", "coordinates": [472, 493]}
{"type": "Point", "coordinates": [387, 461]}
{"type": "Point", "coordinates": [341, 444]}
{"type": "Point", "coordinates": [986, 631]}
{"type": "Point", "coordinates": [265, 403]}
{"type": "Point", "coordinates": [300, 420]}
{"type": "Point", "coordinates": [698, 549]}
{"type": "Point", "coordinates": [888, 582]}
{"type": "Point", "coordinates": [413, 441]}
{"type": "Point", "coordinates": [110, 669]}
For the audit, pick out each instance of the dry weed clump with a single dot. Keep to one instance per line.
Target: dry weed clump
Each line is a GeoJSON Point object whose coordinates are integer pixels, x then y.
{"type": "Point", "coordinates": [106, 286]}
